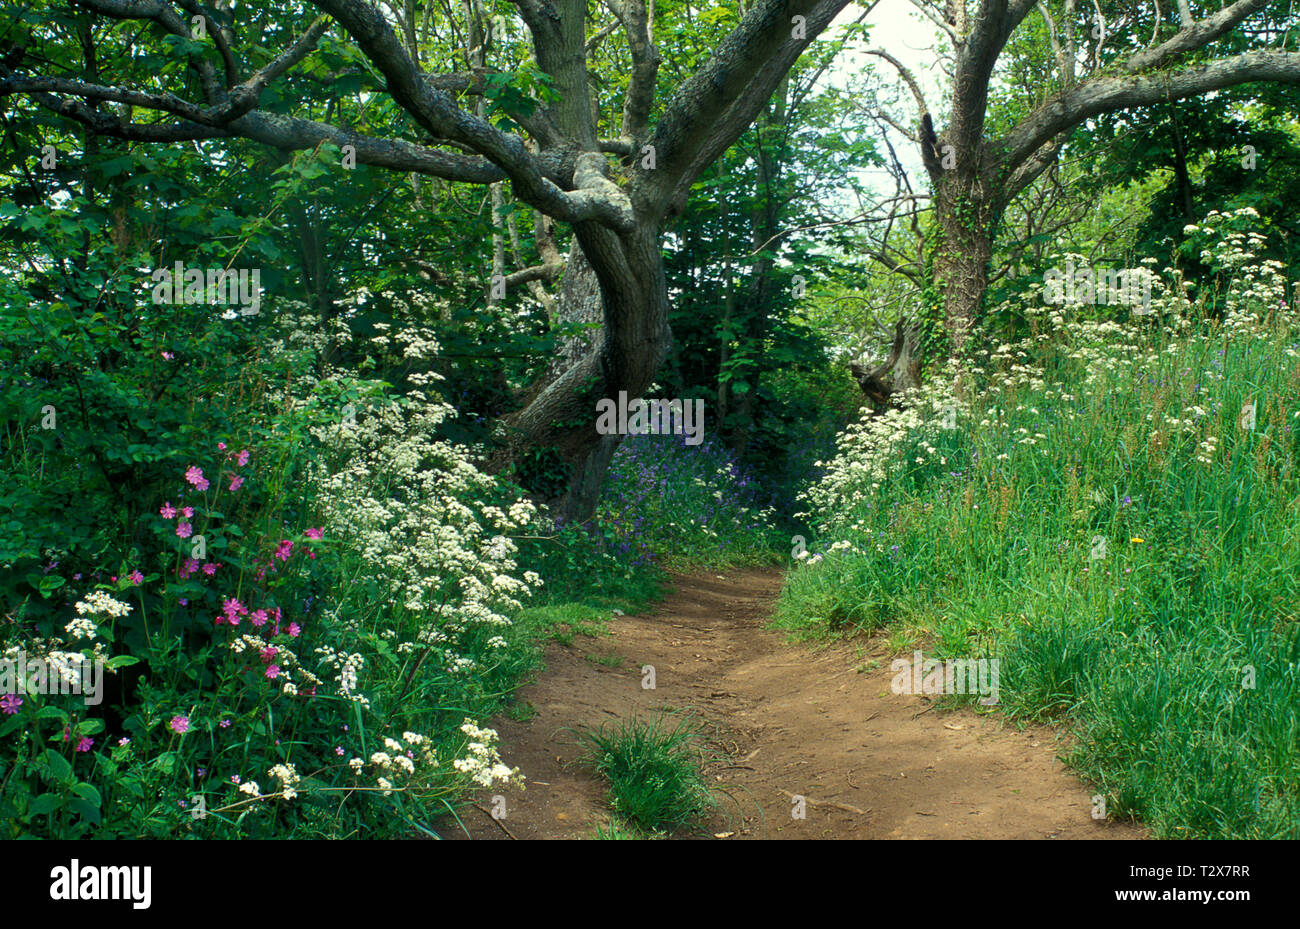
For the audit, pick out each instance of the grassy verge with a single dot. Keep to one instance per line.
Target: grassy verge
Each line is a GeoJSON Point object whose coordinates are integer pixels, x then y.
{"type": "Point", "coordinates": [1117, 525]}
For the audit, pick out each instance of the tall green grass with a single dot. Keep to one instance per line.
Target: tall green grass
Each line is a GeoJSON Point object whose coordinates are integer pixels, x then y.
{"type": "Point", "coordinates": [1115, 531]}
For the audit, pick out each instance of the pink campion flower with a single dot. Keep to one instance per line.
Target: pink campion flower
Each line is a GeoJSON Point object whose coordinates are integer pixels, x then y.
{"type": "Point", "coordinates": [268, 653]}
{"type": "Point", "coordinates": [85, 744]}
{"type": "Point", "coordinates": [195, 476]}
{"type": "Point", "coordinates": [180, 724]}
{"type": "Point", "coordinates": [294, 630]}
{"type": "Point", "coordinates": [338, 750]}
{"type": "Point", "coordinates": [187, 512]}
{"type": "Point", "coordinates": [236, 482]}
{"type": "Point", "coordinates": [184, 530]}
{"type": "Point", "coordinates": [210, 568]}
{"type": "Point", "coordinates": [167, 511]}
{"type": "Point", "coordinates": [135, 577]}
{"type": "Point", "coordinates": [233, 610]}
{"type": "Point", "coordinates": [221, 446]}
{"type": "Point", "coordinates": [315, 534]}
{"type": "Point", "coordinates": [285, 550]}
{"type": "Point", "coordinates": [191, 565]}
{"type": "Point", "coordinates": [10, 703]}
{"type": "Point", "coordinates": [273, 671]}
{"type": "Point", "coordinates": [242, 458]}
{"type": "Point", "coordinates": [258, 618]}
{"type": "Point", "coordinates": [113, 579]}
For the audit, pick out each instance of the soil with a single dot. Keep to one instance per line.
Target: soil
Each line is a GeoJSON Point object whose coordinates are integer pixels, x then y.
{"type": "Point", "coordinates": [785, 720]}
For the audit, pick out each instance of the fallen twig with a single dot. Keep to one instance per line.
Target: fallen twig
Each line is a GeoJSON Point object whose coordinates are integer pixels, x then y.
{"type": "Point", "coordinates": [495, 820]}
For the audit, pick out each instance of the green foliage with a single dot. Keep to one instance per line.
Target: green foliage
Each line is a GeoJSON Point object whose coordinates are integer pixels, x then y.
{"type": "Point", "coordinates": [678, 506]}
{"type": "Point", "coordinates": [197, 709]}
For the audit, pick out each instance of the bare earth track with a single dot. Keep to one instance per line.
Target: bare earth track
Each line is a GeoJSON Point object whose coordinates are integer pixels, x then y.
{"type": "Point", "coordinates": [788, 720]}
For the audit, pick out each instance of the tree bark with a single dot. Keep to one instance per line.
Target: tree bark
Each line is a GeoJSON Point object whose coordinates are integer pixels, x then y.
{"type": "Point", "coordinates": [963, 208]}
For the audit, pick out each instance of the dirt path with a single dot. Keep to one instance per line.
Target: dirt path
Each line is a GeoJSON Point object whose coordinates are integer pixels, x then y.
{"type": "Point", "coordinates": [789, 720]}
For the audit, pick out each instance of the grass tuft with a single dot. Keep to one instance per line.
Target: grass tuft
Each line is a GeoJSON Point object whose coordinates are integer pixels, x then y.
{"type": "Point", "coordinates": [653, 768]}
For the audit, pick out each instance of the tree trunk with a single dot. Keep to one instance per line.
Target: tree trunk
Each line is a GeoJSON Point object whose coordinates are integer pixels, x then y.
{"type": "Point", "coordinates": [1181, 175]}
{"type": "Point", "coordinates": [964, 211]}
{"type": "Point", "coordinates": [900, 371]}
{"type": "Point", "coordinates": [627, 290]}
{"type": "Point", "coordinates": [580, 303]}
{"type": "Point", "coordinates": [587, 479]}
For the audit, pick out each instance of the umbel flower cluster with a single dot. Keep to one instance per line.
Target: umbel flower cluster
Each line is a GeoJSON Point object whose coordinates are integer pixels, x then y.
{"type": "Point", "coordinates": [868, 449]}
{"type": "Point", "coordinates": [412, 507]}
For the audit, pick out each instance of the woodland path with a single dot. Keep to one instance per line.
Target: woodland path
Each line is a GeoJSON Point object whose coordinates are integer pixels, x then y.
{"type": "Point", "coordinates": [787, 719]}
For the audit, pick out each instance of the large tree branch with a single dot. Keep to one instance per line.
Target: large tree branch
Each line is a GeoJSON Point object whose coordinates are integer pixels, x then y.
{"type": "Point", "coordinates": [240, 100]}
{"type": "Point", "coordinates": [976, 59]}
{"type": "Point", "coordinates": [540, 180]}
{"type": "Point", "coordinates": [909, 79]}
{"type": "Point", "coordinates": [437, 113]}
{"type": "Point", "coordinates": [167, 19]}
{"type": "Point", "coordinates": [283, 132]}
{"type": "Point", "coordinates": [558, 28]}
{"type": "Point", "coordinates": [1108, 94]}
{"type": "Point", "coordinates": [244, 97]}
{"type": "Point", "coordinates": [1192, 36]}
{"type": "Point", "coordinates": [645, 67]}
{"type": "Point", "coordinates": [474, 82]}
{"type": "Point", "coordinates": [220, 38]}
{"type": "Point", "coordinates": [712, 108]}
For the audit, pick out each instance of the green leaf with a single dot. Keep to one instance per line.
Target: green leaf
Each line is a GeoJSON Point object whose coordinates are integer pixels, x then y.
{"type": "Point", "coordinates": [85, 809]}
{"type": "Point", "coordinates": [89, 793]}
{"type": "Point", "coordinates": [59, 766]}
{"type": "Point", "coordinates": [52, 712]}
{"type": "Point", "coordinates": [45, 803]}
